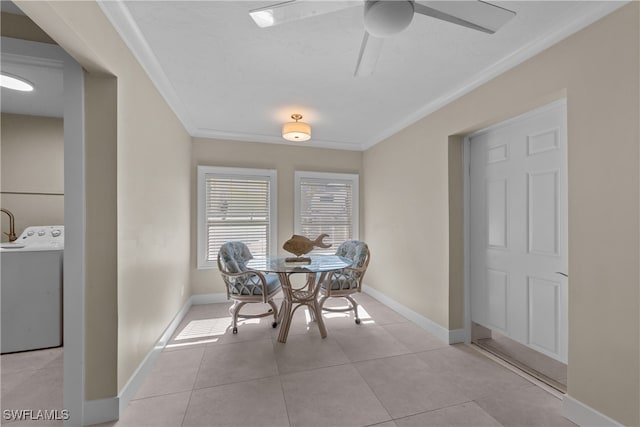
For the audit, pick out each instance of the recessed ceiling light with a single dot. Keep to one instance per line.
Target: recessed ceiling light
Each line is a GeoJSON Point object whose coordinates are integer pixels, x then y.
{"type": "Point", "coordinates": [15, 83]}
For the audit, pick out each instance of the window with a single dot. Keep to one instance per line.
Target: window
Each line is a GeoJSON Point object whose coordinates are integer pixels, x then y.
{"type": "Point", "coordinates": [235, 204]}
{"type": "Point", "coordinates": [326, 203]}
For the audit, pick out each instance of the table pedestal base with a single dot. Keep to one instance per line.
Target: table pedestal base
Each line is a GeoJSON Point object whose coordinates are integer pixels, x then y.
{"type": "Point", "coordinates": [295, 298]}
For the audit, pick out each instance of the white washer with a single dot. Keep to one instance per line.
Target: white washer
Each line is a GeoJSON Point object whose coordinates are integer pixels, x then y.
{"type": "Point", "coordinates": [32, 289]}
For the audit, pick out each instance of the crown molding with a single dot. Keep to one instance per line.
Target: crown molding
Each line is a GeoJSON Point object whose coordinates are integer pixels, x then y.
{"type": "Point", "coordinates": [270, 139]}
{"type": "Point", "coordinates": [510, 61]}
{"type": "Point", "coordinates": [122, 20]}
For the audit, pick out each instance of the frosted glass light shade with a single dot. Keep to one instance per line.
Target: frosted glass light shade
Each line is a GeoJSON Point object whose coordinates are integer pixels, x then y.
{"type": "Point", "coordinates": [15, 83]}
{"type": "Point", "coordinates": [296, 131]}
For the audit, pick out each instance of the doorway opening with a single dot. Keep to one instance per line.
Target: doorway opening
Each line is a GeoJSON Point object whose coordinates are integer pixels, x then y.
{"type": "Point", "coordinates": [61, 367]}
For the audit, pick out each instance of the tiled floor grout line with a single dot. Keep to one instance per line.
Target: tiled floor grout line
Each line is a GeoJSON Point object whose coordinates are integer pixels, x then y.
{"type": "Point", "coordinates": [437, 409]}
{"type": "Point", "coordinates": [155, 396]}
{"type": "Point", "coordinates": [195, 380]}
{"type": "Point", "coordinates": [234, 382]}
{"type": "Point", "coordinates": [284, 398]}
{"type": "Point", "coordinates": [186, 408]}
{"type": "Point", "coordinates": [374, 393]}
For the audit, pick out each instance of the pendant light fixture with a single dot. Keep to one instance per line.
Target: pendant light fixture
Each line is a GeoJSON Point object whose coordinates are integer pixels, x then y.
{"type": "Point", "coordinates": [296, 131]}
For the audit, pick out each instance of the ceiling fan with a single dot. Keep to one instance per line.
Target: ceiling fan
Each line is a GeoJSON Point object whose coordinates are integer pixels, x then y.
{"type": "Point", "coordinates": [384, 18]}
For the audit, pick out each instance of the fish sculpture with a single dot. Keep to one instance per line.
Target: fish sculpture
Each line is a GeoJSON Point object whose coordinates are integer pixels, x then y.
{"type": "Point", "coordinates": [300, 245]}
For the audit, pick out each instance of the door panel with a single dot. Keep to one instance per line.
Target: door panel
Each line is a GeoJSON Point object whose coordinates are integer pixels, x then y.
{"type": "Point", "coordinates": [544, 314]}
{"type": "Point", "coordinates": [497, 203]}
{"type": "Point", "coordinates": [498, 289]}
{"type": "Point", "coordinates": [543, 212]}
{"type": "Point", "coordinates": [518, 229]}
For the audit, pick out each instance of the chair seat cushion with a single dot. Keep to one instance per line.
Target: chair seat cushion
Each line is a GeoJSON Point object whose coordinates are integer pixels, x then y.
{"type": "Point", "coordinates": [342, 283]}
{"type": "Point", "coordinates": [273, 283]}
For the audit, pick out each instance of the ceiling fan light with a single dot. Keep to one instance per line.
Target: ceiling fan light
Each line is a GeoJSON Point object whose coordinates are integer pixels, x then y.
{"type": "Point", "coordinates": [296, 131]}
{"type": "Point", "coordinates": [384, 18]}
{"type": "Point", "coordinates": [16, 83]}
{"type": "Point", "coordinates": [262, 18]}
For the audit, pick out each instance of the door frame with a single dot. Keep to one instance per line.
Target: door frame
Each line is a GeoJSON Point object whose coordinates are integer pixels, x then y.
{"type": "Point", "coordinates": [45, 54]}
{"type": "Point", "coordinates": [466, 156]}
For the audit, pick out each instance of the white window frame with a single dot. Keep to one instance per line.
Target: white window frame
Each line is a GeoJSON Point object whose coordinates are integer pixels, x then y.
{"type": "Point", "coordinates": [203, 172]}
{"type": "Point", "coordinates": [353, 178]}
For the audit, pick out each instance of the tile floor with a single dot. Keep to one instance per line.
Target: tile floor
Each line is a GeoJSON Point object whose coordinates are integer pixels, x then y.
{"type": "Point", "coordinates": [385, 372]}
{"type": "Point", "coordinates": [32, 380]}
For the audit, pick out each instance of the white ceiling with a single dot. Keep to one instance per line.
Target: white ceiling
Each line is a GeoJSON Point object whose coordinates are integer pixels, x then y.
{"type": "Point", "coordinates": [226, 78]}
{"type": "Point", "coordinates": [45, 75]}
{"type": "Point", "coordinates": [47, 97]}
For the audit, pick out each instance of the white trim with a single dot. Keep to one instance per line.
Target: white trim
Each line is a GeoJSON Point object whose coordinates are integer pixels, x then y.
{"type": "Point", "coordinates": [202, 171]}
{"type": "Point", "coordinates": [353, 178]}
{"type": "Point", "coordinates": [453, 336]}
{"type": "Point", "coordinates": [466, 194]}
{"type": "Point", "coordinates": [101, 410]}
{"type": "Point", "coordinates": [271, 139]}
{"type": "Point", "coordinates": [200, 299]}
{"type": "Point", "coordinates": [531, 49]}
{"type": "Point", "coordinates": [584, 415]}
{"type": "Point", "coordinates": [137, 378]}
{"type": "Point", "coordinates": [44, 54]}
{"type": "Point", "coordinates": [17, 59]}
{"type": "Point", "coordinates": [561, 102]}
{"type": "Point", "coordinates": [456, 336]}
{"type": "Point", "coordinates": [109, 409]}
{"type": "Point", "coordinates": [74, 245]}
{"type": "Point", "coordinates": [120, 17]}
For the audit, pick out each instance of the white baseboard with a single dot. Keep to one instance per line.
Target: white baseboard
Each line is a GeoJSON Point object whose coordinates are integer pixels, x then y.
{"type": "Point", "coordinates": [109, 409]}
{"type": "Point", "coordinates": [138, 377]}
{"type": "Point", "coordinates": [208, 298]}
{"type": "Point", "coordinates": [449, 336]}
{"type": "Point", "coordinates": [101, 410]}
{"type": "Point", "coordinates": [584, 415]}
{"type": "Point", "coordinates": [457, 336]}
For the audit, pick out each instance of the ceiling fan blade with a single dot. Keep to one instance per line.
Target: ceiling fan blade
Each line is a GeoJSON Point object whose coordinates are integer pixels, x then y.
{"type": "Point", "coordinates": [293, 10]}
{"type": "Point", "coordinates": [369, 52]}
{"type": "Point", "coordinates": [476, 14]}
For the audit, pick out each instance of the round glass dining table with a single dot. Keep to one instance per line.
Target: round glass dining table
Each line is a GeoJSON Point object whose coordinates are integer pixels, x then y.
{"type": "Point", "coordinates": [296, 296]}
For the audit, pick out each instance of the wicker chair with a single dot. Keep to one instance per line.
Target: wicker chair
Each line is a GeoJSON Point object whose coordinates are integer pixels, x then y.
{"type": "Point", "coordinates": [244, 285]}
{"type": "Point", "coordinates": [348, 281]}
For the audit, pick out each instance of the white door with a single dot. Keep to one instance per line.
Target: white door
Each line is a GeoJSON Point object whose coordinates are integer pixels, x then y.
{"type": "Point", "coordinates": [518, 229]}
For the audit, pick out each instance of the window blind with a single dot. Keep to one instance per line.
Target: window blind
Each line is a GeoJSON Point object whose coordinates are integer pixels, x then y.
{"type": "Point", "coordinates": [237, 208]}
{"type": "Point", "coordinates": [326, 206]}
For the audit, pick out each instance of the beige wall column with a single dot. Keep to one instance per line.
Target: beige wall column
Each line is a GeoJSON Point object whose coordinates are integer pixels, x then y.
{"type": "Point", "coordinates": [101, 321]}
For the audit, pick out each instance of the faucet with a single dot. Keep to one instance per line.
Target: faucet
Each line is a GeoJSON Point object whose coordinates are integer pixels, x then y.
{"type": "Point", "coordinates": [12, 225]}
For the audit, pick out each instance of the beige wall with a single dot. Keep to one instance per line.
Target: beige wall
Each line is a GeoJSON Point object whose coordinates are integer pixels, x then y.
{"type": "Point", "coordinates": [153, 201]}
{"type": "Point", "coordinates": [32, 150]}
{"type": "Point", "coordinates": [285, 159]}
{"type": "Point", "coordinates": [101, 154]}
{"type": "Point", "coordinates": [23, 28]}
{"type": "Point", "coordinates": [409, 223]}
